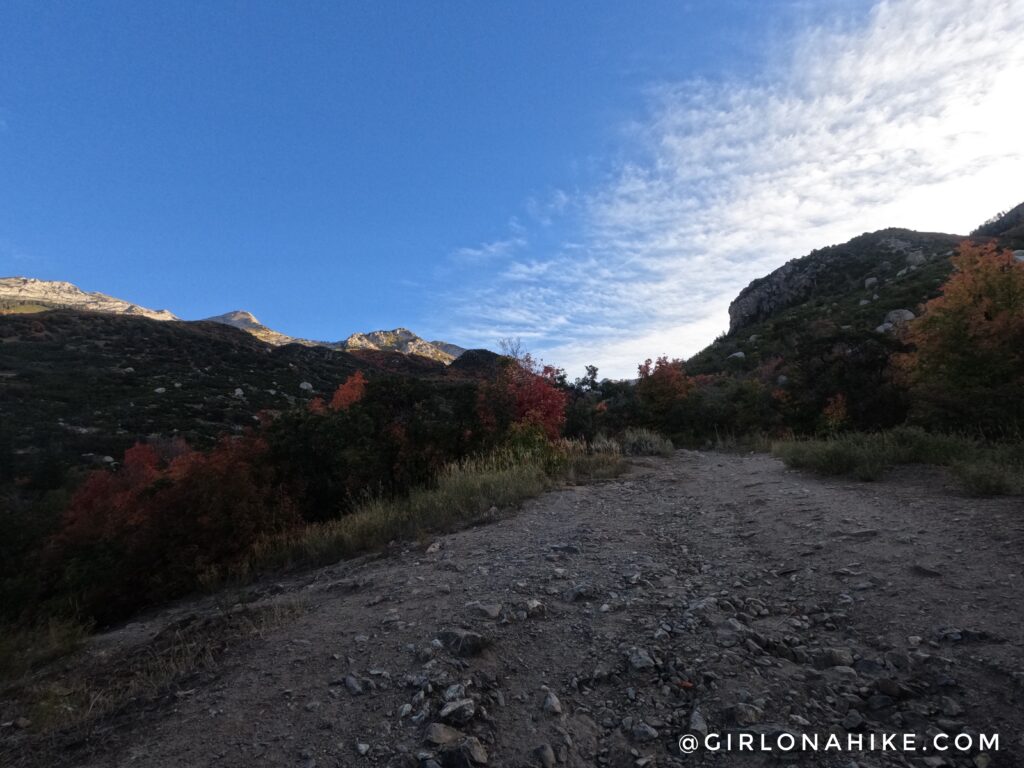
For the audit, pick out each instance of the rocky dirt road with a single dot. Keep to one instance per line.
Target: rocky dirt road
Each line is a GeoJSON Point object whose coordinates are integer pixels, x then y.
{"type": "Point", "coordinates": [704, 592]}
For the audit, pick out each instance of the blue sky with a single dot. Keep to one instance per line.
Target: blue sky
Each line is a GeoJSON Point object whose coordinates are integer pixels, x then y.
{"type": "Point", "coordinates": [596, 178]}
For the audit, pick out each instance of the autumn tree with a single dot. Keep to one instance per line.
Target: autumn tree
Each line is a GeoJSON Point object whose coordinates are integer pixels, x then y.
{"type": "Point", "coordinates": [525, 393]}
{"type": "Point", "coordinates": [662, 386]}
{"type": "Point", "coordinates": [537, 399]}
{"type": "Point", "coordinates": [966, 369]}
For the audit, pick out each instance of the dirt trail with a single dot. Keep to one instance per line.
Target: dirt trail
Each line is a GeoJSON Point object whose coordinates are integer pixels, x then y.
{"type": "Point", "coordinates": [766, 601]}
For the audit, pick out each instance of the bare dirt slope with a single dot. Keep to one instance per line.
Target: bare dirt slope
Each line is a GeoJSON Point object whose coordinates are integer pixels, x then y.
{"type": "Point", "coordinates": [588, 628]}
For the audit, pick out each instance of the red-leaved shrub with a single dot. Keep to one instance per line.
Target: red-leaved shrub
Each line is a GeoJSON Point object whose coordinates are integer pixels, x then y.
{"type": "Point", "coordinates": [154, 528]}
{"type": "Point", "coordinates": [526, 394]}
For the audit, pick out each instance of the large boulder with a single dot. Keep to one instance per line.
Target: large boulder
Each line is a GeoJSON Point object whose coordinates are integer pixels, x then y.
{"type": "Point", "coordinates": [899, 317]}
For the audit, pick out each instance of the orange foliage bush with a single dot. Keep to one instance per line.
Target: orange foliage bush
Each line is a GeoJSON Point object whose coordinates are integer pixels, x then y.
{"type": "Point", "coordinates": [662, 386]}
{"type": "Point", "coordinates": [967, 364]}
{"type": "Point", "coordinates": [349, 393]}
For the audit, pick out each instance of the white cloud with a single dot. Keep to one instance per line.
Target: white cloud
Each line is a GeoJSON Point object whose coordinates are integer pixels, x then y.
{"type": "Point", "coordinates": [546, 209]}
{"type": "Point", "coordinates": [912, 119]}
{"type": "Point", "coordinates": [490, 251]}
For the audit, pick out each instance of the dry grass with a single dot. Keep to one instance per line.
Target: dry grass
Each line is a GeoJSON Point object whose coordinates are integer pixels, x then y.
{"type": "Point", "coordinates": [94, 687]}
{"type": "Point", "coordinates": [466, 493]}
{"type": "Point", "coordinates": [586, 464]}
{"type": "Point", "coordinates": [24, 649]}
{"type": "Point", "coordinates": [645, 442]}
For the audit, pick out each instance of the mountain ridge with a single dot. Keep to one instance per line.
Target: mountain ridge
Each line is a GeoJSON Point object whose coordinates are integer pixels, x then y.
{"type": "Point", "coordinates": [864, 262]}
{"type": "Point", "coordinates": [60, 294]}
{"type": "Point", "coordinates": [865, 265]}
{"type": "Point", "coordinates": [246, 321]}
{"type": "Point", "coordinates": [844, 302]}
{"type": "Point", "coordinates": [401, 340]}
{"type": "Point", "coordinates": [27, 294]}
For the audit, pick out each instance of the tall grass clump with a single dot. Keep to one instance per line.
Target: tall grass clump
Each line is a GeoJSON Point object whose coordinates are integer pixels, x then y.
{"type": "Point", "coordinates": [602, 444]}
{"type": "Point", "coordinates": [983, 468]}
{"type": "Point", "coordinates": [597, 460]}
{"type": "Point", "coordinates": [464, 493]}
{"type": "Point", "coordinates": [645, 442]}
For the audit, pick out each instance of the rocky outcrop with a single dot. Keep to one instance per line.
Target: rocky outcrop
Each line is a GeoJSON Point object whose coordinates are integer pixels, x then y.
{"type": "Point", "coordinates": [861, 264]}
{"type": "Point", "coordinates": [398, 340]}
{"type": "Point", "coordinates": [899, 316]}
{"type": "Point", "coordinates": [401, 340]}
{"type": "Point", "coordinates": [247, 322]}
{"type": "Point", "coordinates": [56, 294]}
{"type": "Point", "coordinates": [783, 288]}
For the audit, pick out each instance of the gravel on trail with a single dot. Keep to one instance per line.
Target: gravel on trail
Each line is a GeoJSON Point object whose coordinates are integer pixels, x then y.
{"type": "Point", "coordinates": [702, 593]}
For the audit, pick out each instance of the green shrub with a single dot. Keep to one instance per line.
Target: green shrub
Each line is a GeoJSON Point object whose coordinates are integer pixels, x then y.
{"type": "Point", "coordinates": [837, 456]}
{"type": "Point", "coordinates": [983, 468]}
{"type": "Point", "coordinates": [913, 445]}
{"type": "Point", "coordinates": [869, 465]}
{"type": "Point", "coordinates": [986, 478]}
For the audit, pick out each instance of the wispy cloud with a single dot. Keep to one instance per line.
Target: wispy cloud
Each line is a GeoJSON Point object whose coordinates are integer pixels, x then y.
{"type": "Point", "coordinates": [492, 250]}
{"type": "Point", "coordinates": [912, 119]}
{"type": "Point", "coordinates": [549, 207]}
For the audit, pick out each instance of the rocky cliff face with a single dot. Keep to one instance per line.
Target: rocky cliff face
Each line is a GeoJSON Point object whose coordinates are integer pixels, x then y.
{"type": "Point", "coordinates": [838, 270]}
{"type": "Point", "coordinates": [27, 292]}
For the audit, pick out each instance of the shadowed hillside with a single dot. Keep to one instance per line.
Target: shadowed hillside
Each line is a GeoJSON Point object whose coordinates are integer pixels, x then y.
{"type": "Point", "coordinates": [81, 386]}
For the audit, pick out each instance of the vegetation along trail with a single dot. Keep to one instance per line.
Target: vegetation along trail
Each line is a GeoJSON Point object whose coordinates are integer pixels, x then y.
{"type": "Point", "coordinates": [704, 591]}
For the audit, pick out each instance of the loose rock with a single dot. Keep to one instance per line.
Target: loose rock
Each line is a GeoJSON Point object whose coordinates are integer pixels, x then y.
{"type": "Point", "coordinates": [459, 712]}
{"type": "Point", "coordinates": [462, 642]}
